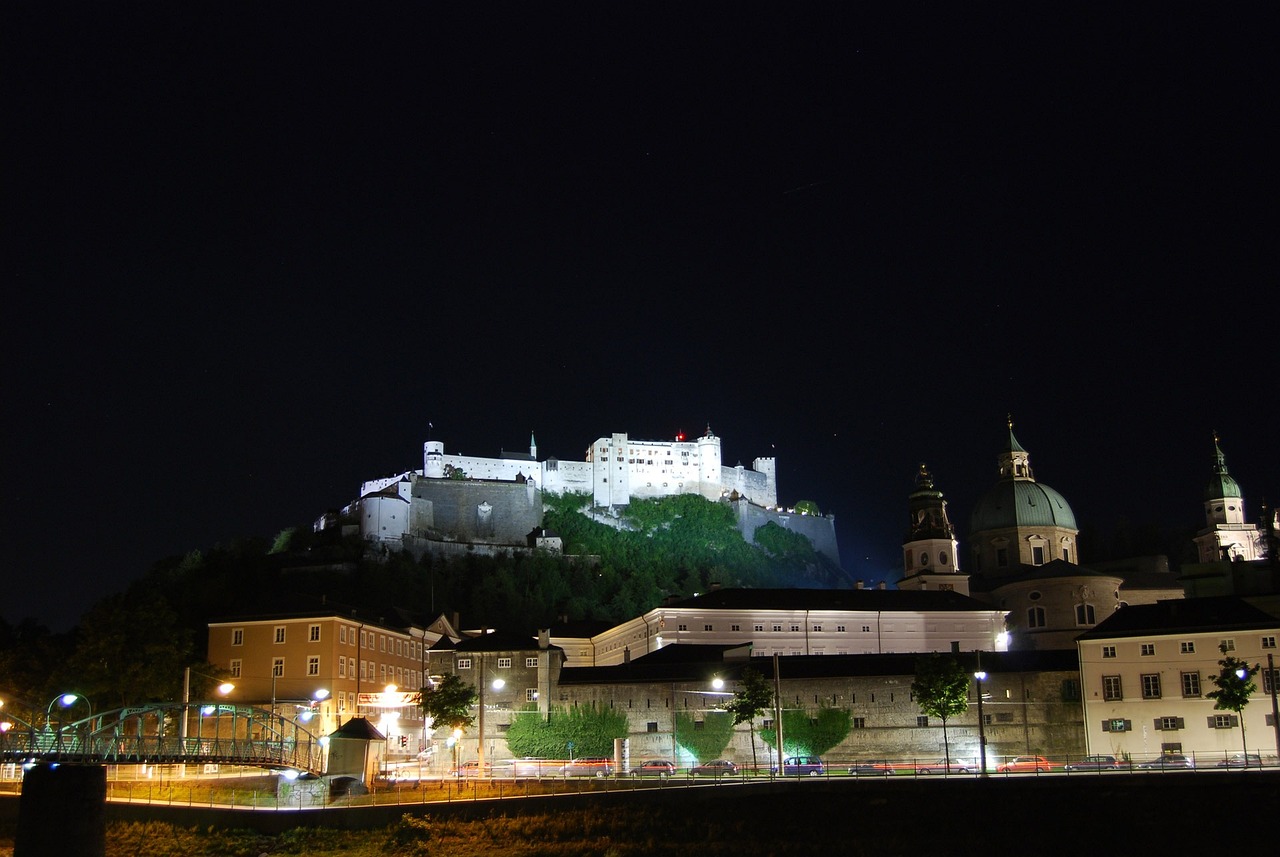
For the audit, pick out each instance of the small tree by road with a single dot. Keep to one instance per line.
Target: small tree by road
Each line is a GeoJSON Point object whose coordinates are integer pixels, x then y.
{"type": "Point", "coordinates": [1235, 685]}
{"type": "Point", "coordinates": [448, 703]}
{"type": "Point", "coordinates": [752, 698]}
{"type": "Point", "coordinates": [941, 689]}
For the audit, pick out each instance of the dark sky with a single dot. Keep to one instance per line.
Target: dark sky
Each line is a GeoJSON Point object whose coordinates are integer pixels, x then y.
{"type": "Point", "coordinates": [254, 249]}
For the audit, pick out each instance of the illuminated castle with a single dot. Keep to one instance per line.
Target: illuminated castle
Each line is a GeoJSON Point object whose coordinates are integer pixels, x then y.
{"type": "Point", "coordinates": [497, 502]}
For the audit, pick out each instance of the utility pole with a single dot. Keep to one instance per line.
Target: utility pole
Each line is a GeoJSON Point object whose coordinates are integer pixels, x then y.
{"type": "Point", "coordinates": [777, 713]}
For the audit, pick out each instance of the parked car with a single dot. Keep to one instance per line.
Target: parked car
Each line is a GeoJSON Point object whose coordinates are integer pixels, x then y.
{"type": "Point", "coordinates": [1093, 763]}
{"type": "Point", "coordinates": [587, 768]}
{"type": "Point", "coordinates": [942, 767]}
{"type": "Point", "coordinates": [870, 769]}
{"type": "Point", "coordinates": [654, 768]}
{"type": "Point", "coordinates": [534, 768]}
{"type": "Point", "coordinates": [1168, 762]}
{"type": "Point", "coordinates": [714, 768]}
{"type": "Point", "coordinates": [471, 768]}
{"type": "Point", "coordinates": [796, 766]}
{"type": "Point", "coordinates": [1025, 765]}
{"type": "Point", "coordinates": [1239, 761]}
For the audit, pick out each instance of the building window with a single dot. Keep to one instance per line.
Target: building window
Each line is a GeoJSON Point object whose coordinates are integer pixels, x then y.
{"type": "Point", "coordinates": [1220, 721]}
{"type": "Point", "coordinates": [342, 635]}
{"type": "Point", "coordinates": [795, 629]}
{"type": "Point", "coordinates": [530, 694]}
{"type": "Point", "coordinates": [1187, 647]}
{"type": "Point", "coordinates": [1269, 679]}
{"type": "Point", "coordinates": [1070, 690]}
{"type": "Point", "coordinates": [759, 628]}
{"type": "Point", "coordinates": [1037, 555]}
{"type": "Point", "coordinates": [1191, 684]}
{"type": "Point", "coordinates": [859, 723]}
{"type": "Point", "coordinates": [777, 627]}
{"type": "Point", "coordinates": [237, 636]}
{"type": "Point", "coordinates": [364, 669]}
{"type": "Point", "coordinates": [277, 667]}
{"type": "Point", "coordinates": [313, 665]}
{"type": "Point", "coordinates": [817, 627]}
{"type": "Point", "coordinates": [464, 663]}
{"type": "Point", "coordinates": [922, 721]}
{"type": "Point", "coordinates": [1111, 688]}
{"type": "Point", "coordinates": [684, 627]}
{"type": "Point", "coordinates": [1227, 645]}
{"type": "Point", "coordinates": [531, 663]}
{"type": "Point", "coordinates": [1166, 724]}
{"type": "Point", "coordinates": [235, 668]}
{"type": "Point", "coordinates": [866, 629]}
{"type": "Point", "coordinates": [1148, 650]}
{"type": "Point", "coordinates": [342, 666]}
{"type": "Point", "coordinates": [839, 629]}
{"type": "Point", "coordinates": [382, 642]}
{"type": "Point", "coordinates": [651, 727]}
{"type": "Point", "coordinates": [1151, 685]}
{"type": "Point", "coordinates": [1268, 642]}
{"type": "Point", "coordinates": [707, 628]}
{"type": "Point", "coordinates": [1084, 614]}
{"type": "Point", "coordinates": [1002, 557]}
{"type": "Point", "coordinates": [279, 633]}
{"type": "Point", "coordinates": [1035, 617]}
{"type": "Point", "coordinates": [504, 663]}
{"type": "Point", "coordinates": [1108, 651]}
{"type": "Point", "coordinates": [313, 634]}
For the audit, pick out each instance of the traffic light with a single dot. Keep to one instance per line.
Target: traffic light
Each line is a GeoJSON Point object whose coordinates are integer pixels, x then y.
{"type": "Point", "coordinates": [404, 740]}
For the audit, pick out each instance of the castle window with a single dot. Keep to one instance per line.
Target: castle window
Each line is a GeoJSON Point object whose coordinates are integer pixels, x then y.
{"type": "Point", "coordinates": [1035, 617]}
{"type": "Point", "coordinates": [942, 557]}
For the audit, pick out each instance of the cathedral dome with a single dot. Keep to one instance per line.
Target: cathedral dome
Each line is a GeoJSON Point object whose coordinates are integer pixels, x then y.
{"type": "Point", "coordinates": [1021, 503]}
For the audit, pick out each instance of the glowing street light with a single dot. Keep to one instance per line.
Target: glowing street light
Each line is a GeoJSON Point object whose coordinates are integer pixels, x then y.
{"type": "Point", "coordinates": [979, 677]}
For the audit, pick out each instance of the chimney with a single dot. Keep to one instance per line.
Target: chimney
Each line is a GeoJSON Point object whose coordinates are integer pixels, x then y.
{"type": "Point", "coordinates": [858, 585]}
{"type": "Point", "coordinates": [544, 638]}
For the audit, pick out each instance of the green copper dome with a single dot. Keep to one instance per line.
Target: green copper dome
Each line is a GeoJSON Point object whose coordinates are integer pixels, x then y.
{"type": "Point", "coordinates": [1221, 484]}
{"type": "Point", "coordinates": [1018, 500]}
{"type": "Point", "coordinates": [1021, 503]}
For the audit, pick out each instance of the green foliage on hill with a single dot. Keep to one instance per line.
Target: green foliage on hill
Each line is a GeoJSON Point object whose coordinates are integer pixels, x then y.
{"type": "Point", "coordinates": [591, 730]}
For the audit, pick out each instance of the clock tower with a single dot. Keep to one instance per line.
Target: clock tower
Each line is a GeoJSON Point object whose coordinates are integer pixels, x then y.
{"type": "Point", "coordinates": [929, 551]}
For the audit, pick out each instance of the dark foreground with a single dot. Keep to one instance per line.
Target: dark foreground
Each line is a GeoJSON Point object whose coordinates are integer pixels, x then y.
{"type": "Point", "coordinates": [1111, 814]}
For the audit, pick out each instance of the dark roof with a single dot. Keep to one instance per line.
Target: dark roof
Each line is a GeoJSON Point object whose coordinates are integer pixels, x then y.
{"type": "Point", "coordinates": [582, 629]}
{"type": "Point", "coordinates": [1052, 570]}
{"type": "Point", "coordinates": [830, 599]}
{"type": "Point", "coordinates": [693, 663]}
{"type": "Point", "coordinates": [358, 728]}
{"type": "Point", "coordinates": [1219, 613]}
{"type": "Point", "coordinates": [501, 641]}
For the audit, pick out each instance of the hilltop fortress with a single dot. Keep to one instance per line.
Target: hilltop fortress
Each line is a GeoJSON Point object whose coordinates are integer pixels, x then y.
{"type": "Point", "coordinates": [458, 502]}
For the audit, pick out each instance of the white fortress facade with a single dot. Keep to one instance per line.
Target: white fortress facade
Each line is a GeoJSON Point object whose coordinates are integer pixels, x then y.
{"type": "Point", "coordinates": [615, 470]}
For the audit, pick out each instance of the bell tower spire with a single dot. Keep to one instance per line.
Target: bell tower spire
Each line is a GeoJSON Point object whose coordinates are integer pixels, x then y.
{"type": "Point", "coordinates": [930, 550]}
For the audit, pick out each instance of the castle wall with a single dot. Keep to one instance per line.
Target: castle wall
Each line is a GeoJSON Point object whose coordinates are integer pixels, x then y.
{"type": "Point", "coordinates": [481, 512]}
{"type": "Point", "coordinates": [818, 529]}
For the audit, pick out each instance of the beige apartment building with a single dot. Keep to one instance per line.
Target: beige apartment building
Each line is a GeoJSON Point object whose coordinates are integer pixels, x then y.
{"type": "Point", "coordinates": [323, 669]}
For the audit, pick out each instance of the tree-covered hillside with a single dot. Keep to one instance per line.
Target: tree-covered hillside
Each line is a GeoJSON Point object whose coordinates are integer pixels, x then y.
{"type": "Point", "coordinates": [132, 646]}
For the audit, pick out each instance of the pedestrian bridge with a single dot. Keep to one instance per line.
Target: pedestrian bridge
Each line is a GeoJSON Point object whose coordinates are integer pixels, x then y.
{"type": "Point", "coordinates": [172, 733]}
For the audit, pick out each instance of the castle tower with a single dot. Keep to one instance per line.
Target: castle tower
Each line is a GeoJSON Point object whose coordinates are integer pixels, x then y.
{"type": "Point", "coordinates": [709, 464]}
{"type": "Point", "coordinates": [1226, 535]}
{"type": "Point", "coordinates": [533, 447]}
{"type": "Point", "coordinates": [433, 459]}
{"type": "Point", "coordinates": [930, 551]}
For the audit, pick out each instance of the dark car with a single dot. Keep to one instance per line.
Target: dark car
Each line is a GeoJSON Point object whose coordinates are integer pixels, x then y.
{"type": "Point", "coordinates": [714, 768]}
{"type": "Point", "coordinates": [798, 766]}
{"type": "Point", "coordinates": [588, 768]}
{"type": "Point", "coordinates": [1239, 760]}
{"type": "Point", "coordinates": [654, 768]}
{"type": "Point", "coordinates": [870, 769]}
{"type": "Point", "coordinates": [1093, 763]}
{"type": "Point", "coordinates": [942, 767]}
{"type": "Point", "coordinates": [1168, 762]}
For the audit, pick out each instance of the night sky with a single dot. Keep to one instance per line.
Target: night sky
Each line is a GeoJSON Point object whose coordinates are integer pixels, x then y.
{"type": "Point", "coordinates": [255, 249]}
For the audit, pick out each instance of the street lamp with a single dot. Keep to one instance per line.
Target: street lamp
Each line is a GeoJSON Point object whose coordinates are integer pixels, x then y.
{"type": "Point", "coordinates": [223, 689]}
{"type": "Point", "coordinates": [498, 684]}
{"type": "Point", "coordinates": [979, 677]}
{"type": "Point", "coordinates": [1243, 673]}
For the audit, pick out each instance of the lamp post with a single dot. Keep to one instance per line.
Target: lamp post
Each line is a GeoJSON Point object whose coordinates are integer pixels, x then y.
{"type": "Point", "coordinates": [223, 689]}
{"type": "Point", "coordinates": [979, 677]}
{"type": "Point", "coordinates": [1243, 674]}
{"type": "Point", "coordinates": [1275, 707]}
{"type": "Point", "coordinates": [498, 684]}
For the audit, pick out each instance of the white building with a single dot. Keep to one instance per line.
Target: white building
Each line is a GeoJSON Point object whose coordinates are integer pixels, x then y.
{"type": "Point", "coordinates": [800, 622]}
{"type": "Point", "coordinates": [1145, 670]}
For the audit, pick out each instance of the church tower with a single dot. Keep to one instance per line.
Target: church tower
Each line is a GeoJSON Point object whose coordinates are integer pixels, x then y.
{"type": "Point", "coordinates": [930, 551]}
{"type": "Point", "coordinates": [1226, 536]}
